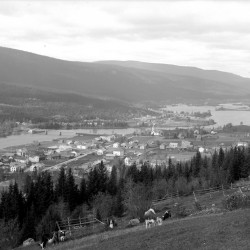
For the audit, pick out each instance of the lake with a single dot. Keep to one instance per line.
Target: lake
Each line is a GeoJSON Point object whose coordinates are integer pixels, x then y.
{"type": "Point", "coordinates": [220, 117]}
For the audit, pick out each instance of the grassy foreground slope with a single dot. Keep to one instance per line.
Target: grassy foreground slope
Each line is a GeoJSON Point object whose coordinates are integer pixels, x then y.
{"type": "Point", "coordinates": [229, 231]}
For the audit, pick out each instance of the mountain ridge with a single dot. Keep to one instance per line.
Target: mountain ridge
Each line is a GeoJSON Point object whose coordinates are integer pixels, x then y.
{"type": "Point", "coordinates": [129, 81]}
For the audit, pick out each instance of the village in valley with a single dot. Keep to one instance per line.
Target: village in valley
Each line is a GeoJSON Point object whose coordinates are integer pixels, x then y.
{"type": "Point", "coordinates": [156, 141]}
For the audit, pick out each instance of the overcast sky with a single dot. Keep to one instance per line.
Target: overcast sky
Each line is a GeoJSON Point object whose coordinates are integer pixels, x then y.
{"type": "Point", "coordinates": [207, 34]}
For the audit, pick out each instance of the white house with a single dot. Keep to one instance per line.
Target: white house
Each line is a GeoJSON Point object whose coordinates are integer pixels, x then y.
{"type": "Point", "coordinates": [173, 144]}
{"type": "Point", "coordinates": [81, 146]}
{"type": "Point", "coordinates": [34, 158]}
{"type": "Point", "coordinates": [36, 167]}
{"type": "Point", "coordinates": [13, 169]}
{"type": "Point", "coordinates": [21, 159]}
{"type": "Point", "coordinates": [186, 144]}
{"type": "Point", "coordinates": [99, 152]}
{"type": "Point", "coordinates": [118, 152]}
{"type": "Point", "coordinates": [201, 149]}
{"type": "Point", "coordinates": [116, 145]}
{"type": "Point", "coordinates": [143, 146]}
{"type": "Point", "coordinates": [109, 156]}
{"type": "Point", "coordinates": [22, 152]}
{"type": "Point", "coordinates": [16, 166]}
{"type": "Point", "coordinates": [127, 161]}
{"type": "Point", "coordinates": [63, 148]}
{"type": "Point", "coordinates": [109, 168]}
{"type": "Point", "coordinates": [242, 144]}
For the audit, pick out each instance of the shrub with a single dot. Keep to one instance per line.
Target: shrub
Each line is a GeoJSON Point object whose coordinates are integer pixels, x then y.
{"type": "Point", "coordinates": [179, 210]}
{"type": "Point", "coordinates": [236, 200]}
{"type": "Point", "coordinates": [197, 206]}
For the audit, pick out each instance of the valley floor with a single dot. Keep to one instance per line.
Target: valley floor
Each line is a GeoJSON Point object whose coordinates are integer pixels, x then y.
{"type": "Point", "coordinates": [229, 231]}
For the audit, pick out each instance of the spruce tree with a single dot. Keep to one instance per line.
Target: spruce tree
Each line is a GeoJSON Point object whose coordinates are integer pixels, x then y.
{"type": "Point", "coordinates": [112, 182]}
{"type": "Point", "coordinates": [60, 190]}
{"type": "Point", "coordinates": [71, 191]}
{"type": "Point", "coordinates": [102, 178]}
{"type": "Point", "coordinates": [83, 195]}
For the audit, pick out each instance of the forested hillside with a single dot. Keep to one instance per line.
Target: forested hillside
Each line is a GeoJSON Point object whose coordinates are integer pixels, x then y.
{"type": "Point", "coordinates": [23, 104]}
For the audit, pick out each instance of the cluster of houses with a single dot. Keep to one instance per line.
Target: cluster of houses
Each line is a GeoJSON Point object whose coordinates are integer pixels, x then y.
{"type": "Point", "coordinates": [106, 148]}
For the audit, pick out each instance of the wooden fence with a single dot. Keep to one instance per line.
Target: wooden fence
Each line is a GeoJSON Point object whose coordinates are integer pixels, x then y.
{"type": "Point", "coordinates": [83, 226]}
{"type": "Point", "coordinates": [195, 193]}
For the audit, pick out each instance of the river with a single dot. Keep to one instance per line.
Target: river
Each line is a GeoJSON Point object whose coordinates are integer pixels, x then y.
{"type": "Point", "coordinates": [15, 140]}
{"type": "Point", "coordinates": [220, 117]}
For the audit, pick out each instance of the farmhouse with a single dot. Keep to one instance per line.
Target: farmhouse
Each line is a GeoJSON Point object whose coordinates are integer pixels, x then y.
{"type": "Point", "coordinates": [36, 167]}
{"type": "Point", "coordinates": [22, 152]}
{"type": "Point", "coordinates": [173, 145]}
{"type": "Point", "coordinates": [100, 152]}
{"type": "Point", "coordinates": [54, 156]}
{"type": "Point", "coordinates": [118, 152]}
{"type": "Point", "coordinates": [20, 159]}
{"type": "Point", "coordinates": [67, 155]}
{"type": "Point", "coordinates": [242, 144]}
{"type": "Point", "coordinates": [17, 167]}
{"type": "Point", "coordinates": [186, 144]}
{"type": "Point", "coordinates": [127, 161]}
{"type": "Point", "coordinates": [116, 145]}
{"type": "Point", "coordinates": [81, 146]}
{"type": "Point", "coordinates": [143, 146]}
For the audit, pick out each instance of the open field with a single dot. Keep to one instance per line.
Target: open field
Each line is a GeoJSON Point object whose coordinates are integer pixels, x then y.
{"type": "Point", "coordinates": [229, 231]}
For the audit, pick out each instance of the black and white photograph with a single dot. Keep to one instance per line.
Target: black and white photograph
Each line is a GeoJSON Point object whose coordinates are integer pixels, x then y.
{"type": "Point", "coordinates": [125, 124]}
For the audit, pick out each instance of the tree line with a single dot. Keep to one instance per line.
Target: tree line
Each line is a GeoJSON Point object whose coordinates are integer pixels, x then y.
{"type": "Point", "coordinates": [32, 210]}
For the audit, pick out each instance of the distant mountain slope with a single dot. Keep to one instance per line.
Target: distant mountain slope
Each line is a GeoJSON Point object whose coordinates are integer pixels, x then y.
{"type": "Point", "coordinates": [128, 81]}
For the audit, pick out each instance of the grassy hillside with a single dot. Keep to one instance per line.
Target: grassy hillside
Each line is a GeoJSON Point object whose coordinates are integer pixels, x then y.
{"type": "Point", "coordinates": [130, 82]}
{"type": "Point", "coordinates": [229, 231]}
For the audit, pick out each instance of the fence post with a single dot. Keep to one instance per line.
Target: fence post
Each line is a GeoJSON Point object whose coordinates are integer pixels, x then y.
{"type": "Point", "coordinates": [80, 221]}
{"type": "Point", "coordinates": [58, 226]}
{"type": "Point", "coordinates": [194, 196]}
{"type": "Point", "coordinates": [69, 226]}
{"type": "Point", "coordinates": [231, 185]}
{"type": "Point", "coordinates": [223, 190]}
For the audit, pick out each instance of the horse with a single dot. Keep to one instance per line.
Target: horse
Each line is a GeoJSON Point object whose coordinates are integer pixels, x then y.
{"type": "Point", "coordinates": [166, 215]}
{"type": "Point", "coordinates": [61, 235]}
{"type": "Point", "coordinates": [150, 217]}
{"type": "Point", "coordinates": [46, 240]}
{"type": "Point", "coordinates": [159, 221]}
{"type": "Point", "coordinates": [111, 223]}
{"type": "Point", "coordinates": [150, 222]}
